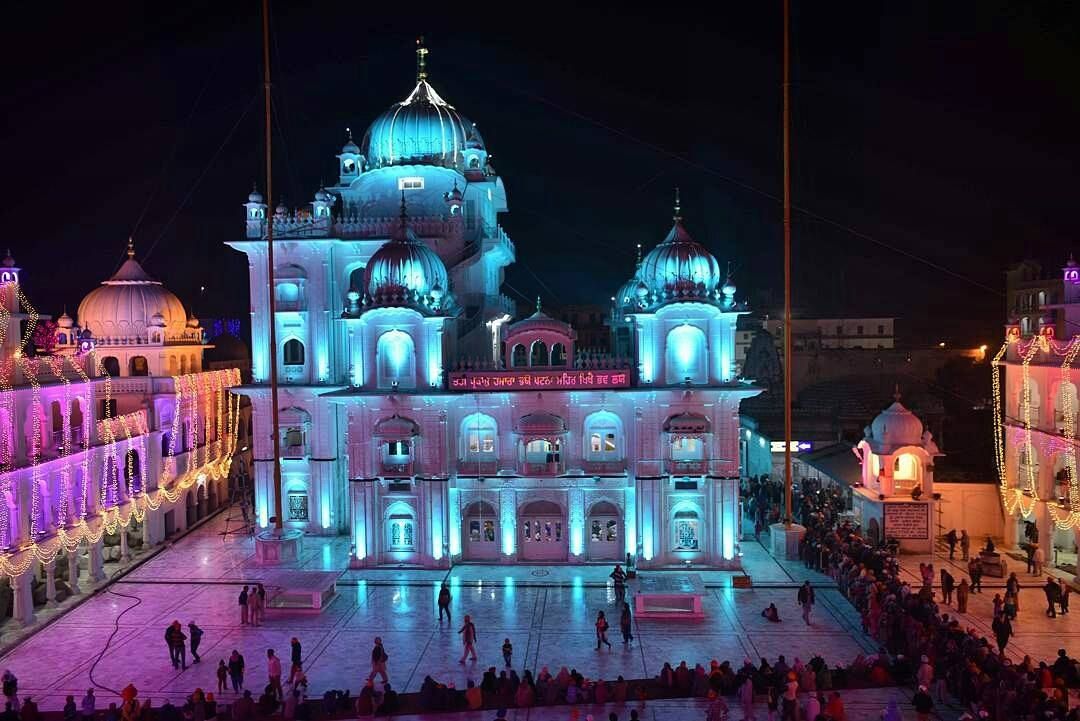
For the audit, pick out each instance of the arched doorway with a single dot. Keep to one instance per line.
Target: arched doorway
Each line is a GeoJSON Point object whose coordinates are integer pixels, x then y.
{"type": "Point", "coordinates": [480, 532]}
{"type": "Point", "coordinates": [873, 531]}
{"type": "Point", "coordinates": [604, 532]}
{"type": "Point", "coordinates": [190, 509]}
{"type": "Point", "coordinates": [542, 532]}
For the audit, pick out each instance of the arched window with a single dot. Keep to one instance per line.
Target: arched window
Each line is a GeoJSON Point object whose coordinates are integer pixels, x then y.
{"type": "Point", "coordinates": [687, 356]}
{"type": "Point", "coordinates": [685, 528]}
{"type": "Point", "coordinates": [558, 354]}
{"type": "Point", "coordinates": [356, 281]}
{"type": "Point", "coordinates": [517, 356]}
{"type": "Point", "coordinates": [539, 354]}
{"type": "Point", "coordinates": [479, 436]}
{"type": "Point", "coordinates": [1028, 408]}
{"type": "Point", "coordinates": [905, 472]}
{"type": "Point", "coordinates": [111, 366]}
{"type": "Point", "coordinates": [61, 338]}
{"type": "Point", "coordinates": [685, 447]}
{"type": "Point", "coordinates": [474, 162]}
{"type": "Point", "coordinates": [1027, 461]}
{"type": "Point", "coordinates": [287, 292]}
{"type": "Point", "coordinates": [396, 360]}
{"type": "Point", "coordinates": [166, 445]}
{"type": "Point", "coordinates": [539, 450]}
{"type": "Point", "coordinates": [174, 368]}
{"type": "Point", "coordinates": [1065, 406]}
{"type": "Point", "coordinates": [183, 365]}
{"type": "Point", "coordinates": [294, 352]}
{"type": "Point", "coordinates": [75, 423]}
{"type": "Point", "coordinates": [603, 437]}
{"type": "Point", "coordinates": [132, 472]}
{"type": "Point", "coordinates": [295, 423]}
{"type": "Point", "coordinates": [57, 413]}
{"type": "Point", "coordinates": [139, 366]}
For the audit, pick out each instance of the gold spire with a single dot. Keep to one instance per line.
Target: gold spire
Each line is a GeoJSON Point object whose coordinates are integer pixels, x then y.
{"type": "Point", "coordinates": [537, 304]}
{"type": "Point", "coordinates": [638, 263]}
{"type": "Point", "coordinates": [421, 60]}
{"type": "Point", "coordinates": [131, 247]}
{"type": "Point", "coordinates": [896, 392]}
{"type": "Point", "coordinates": [678, 205]}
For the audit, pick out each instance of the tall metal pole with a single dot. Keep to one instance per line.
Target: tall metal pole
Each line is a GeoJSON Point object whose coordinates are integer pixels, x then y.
{"type": "Point", "coordinates": [787, 267]}
{"type": "Point", "coordinates": [278, 513]}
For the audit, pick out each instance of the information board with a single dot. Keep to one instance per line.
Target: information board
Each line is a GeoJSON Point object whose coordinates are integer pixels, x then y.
{"type": "Point", "coordinates": [907, 521]}
{"type": "Point", "coordinates": [515, 380]}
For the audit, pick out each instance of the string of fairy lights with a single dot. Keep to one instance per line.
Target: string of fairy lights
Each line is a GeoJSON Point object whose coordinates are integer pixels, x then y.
{"type": "Point", "coordinates": [200, 399]}
{"type": "Point", "coordinates": [1023, 497]}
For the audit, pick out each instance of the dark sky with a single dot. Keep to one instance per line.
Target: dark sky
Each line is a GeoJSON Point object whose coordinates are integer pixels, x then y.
{"type": "Point", "coordinates": [946, 132]}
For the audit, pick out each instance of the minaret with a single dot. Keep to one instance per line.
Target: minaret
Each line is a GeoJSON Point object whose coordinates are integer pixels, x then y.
{"type": "Point", "coordinates": [9, 280]}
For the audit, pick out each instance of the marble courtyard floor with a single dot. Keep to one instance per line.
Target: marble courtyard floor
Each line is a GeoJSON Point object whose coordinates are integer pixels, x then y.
{"type": "Point", "coordinates": [546, 611]}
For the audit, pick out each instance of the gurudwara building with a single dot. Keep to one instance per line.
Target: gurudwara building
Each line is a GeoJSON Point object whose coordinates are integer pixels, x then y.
{"type": "Point", "coordinates": [422, 419]}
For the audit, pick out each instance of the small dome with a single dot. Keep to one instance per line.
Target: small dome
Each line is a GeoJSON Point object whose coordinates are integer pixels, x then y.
{"type": "Point", "coordinates": [281, 209]}
{"type": "Point", "coordinates": [405, 264]}
{"type": "Point", "coordinates": [897, 426]}
{"type": "Point", "coordinates": [192, 322]}
{"type": "Point", "coordinates": [127, 303]}
{"type": "Point", "coordinates": [629, 293]}
{"type": "Point", "coordinates": [421, 129]}
{"type": "Point", "coordinates": [539, 321]}
{"type": "Point", "coordinates": [350, 148]}
{"type": "Point", "coordinates": [65, 321]}
{"type": "Point", "coordinates": [9, 261]}
{"type": "Point", "coordinates": [255, 196]}
{"type": "Point", "coordinates": [680, 264]}
{"type": "Point", "coordinates": [323, 197]}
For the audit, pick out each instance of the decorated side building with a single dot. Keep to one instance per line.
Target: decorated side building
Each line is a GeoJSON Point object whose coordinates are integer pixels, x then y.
{"type": "Point", "coordinates": [1035, 389]}
{"type": "Point", "coordinates": [422, 419]}
{"type": "Point", "coordinates": [112, 437]}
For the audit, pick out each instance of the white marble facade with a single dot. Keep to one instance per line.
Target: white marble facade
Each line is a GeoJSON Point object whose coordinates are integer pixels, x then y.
{"type": "Point", "coordinates": [420, 419]}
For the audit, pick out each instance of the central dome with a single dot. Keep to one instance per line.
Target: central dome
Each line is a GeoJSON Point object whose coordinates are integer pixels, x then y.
{"type": "Point", "coordinates": [125, 305]}
{"type": "Point", "coordinates": [897, 426]}
{"type": "Point", "coordinates": [423, 128]}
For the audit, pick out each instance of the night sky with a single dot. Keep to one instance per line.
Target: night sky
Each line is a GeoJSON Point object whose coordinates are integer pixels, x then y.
{"type": "Point", "coordinates": [944, 131]}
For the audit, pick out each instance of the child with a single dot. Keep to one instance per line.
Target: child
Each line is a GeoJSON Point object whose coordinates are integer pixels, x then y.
{"type": "Point", "coordinates": [508, 652]}
{"type": "Point", "coordinates": [222, 675]}
{"type": "Point", "coordinates": [71, 711]}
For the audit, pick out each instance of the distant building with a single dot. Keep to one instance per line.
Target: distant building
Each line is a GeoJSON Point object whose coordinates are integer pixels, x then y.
{"type": "Point", "coordinates": [820, 333]}
{"type": "Point", "coordinates": [1034, 299]}
{"type": "Point", "coordinates": [592, 323]}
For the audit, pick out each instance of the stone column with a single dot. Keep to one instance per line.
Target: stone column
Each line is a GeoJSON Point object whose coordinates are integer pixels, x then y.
{"type": "Point", "coordinates": [125, 552]}
{"type": "Point", "coordinates": [96, 560]}
{"type": "Point", "coordinates": [50, 583]}
{"type": "Point", "coordinates": [73, 571]}
{"type": "Point", "coordinates": [23, 598]}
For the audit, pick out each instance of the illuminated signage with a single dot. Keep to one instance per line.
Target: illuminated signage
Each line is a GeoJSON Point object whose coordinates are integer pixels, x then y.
{"type": "Point", "coordinates": [796, 446]}
{"type": "Point", "coordinates": [538, 380]}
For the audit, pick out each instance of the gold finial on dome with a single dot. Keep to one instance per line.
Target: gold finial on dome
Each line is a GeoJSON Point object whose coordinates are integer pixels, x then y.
{"type": "Point", "coordinates": [678, 205]}
{"type": "Point", "coordinates": [421, 60]}
{"type": "Point", "coordinates": [131, 247]}
{"type": "Point", "coordinates": [896, 392]}
{"type": "Point", "coordinates": [638, 263]}
{"type": "Point", "coordinates": [537, 304]}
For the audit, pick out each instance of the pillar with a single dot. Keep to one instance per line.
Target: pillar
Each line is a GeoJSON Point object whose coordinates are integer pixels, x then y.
{"type": "Point", "coordinates": [507, 524]}
{"type": "Point", "coordinates": [73, 571]}
{"type": "Point", "coordinates": [23, 598]}
{"type": "Point", "coordinates": [50, 583]}
{"type": "Point", "coordinates": [125, 552]}
{"type": "Point", "coordinates": [96, 560]}
{"type": "Point", "coordinates": [576, 521]}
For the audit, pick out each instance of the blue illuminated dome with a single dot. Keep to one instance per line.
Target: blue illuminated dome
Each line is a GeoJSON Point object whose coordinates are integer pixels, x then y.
{"type": "Point", "coordinates": [422, 128]}
{"type": "Point", "coordinates": [680, 265]}
{"type": "Point", "coordinates": [405, 267]}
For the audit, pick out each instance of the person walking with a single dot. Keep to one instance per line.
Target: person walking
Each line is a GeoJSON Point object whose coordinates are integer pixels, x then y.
{"type": "Point", "coordinates": [1012, 586]}
{"type": "Point", "coordinates": [975, 571]}
{"type": "Point", "coordinates": [626, 624]}
{"type": "Point", "coordinates": [175, 638]}
{"type": "Point", "coordinates": [236, 671]}
{"type": "Point", "coordinates": [222, 676]}
{"type": "Point", "coordinates": [965, 544]}
{"type": "Point", "coordinates": [601, 630]}
{"type": "Point", "coordinates": [619, 577]}
{"type": "Point", "coordinates": [951, 539]}
{"type": "Point", "coordinates": [260, 604]}
{"type": "Point", "coordinates": [444, 603]}
{"type": "Point", "coordinates": [508, 652]}
{"type": "Point", "coordinates": [1052, 591]}
{"type": "Point", "coordinates": [296, 655]}
{"type": "Point", "coordinates": [962, 596]}
{"type": "Point", "coordinates": [253, 607]}
{"type": "Point", "coordinates": [1063, 596]}
{"type": "Point", "coordinates": [468, 639]}
{"type": "Point", "coordinates": [1038, 558]}
{"type": "Point", "coordinates": [379, 657]}
{"type": "Point", "coordinates": [88, 705]}
{"type": "Point", "coordinates": [806, 600]}
{"type": "Point", "coordinates": [273, 673]}
{"type": "Point", "coordinates": [746, 698]}
{"type": "Point", "coordinates": [947, 585]}
{"type": "Point", "coordinates": [243, 601]}
{"type": "Point", "coordinates": [195, 635]}
{"type": "Point", "coordinates": [1003, 629]}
